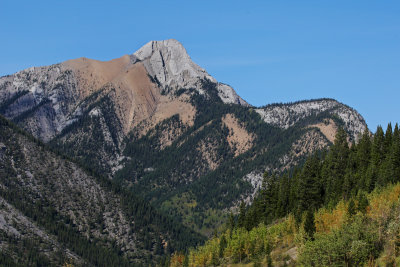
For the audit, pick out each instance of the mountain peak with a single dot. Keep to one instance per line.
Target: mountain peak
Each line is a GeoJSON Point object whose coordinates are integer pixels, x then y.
{"type": "Point", "coordinates": [171, 45]}
{"type": "Point", "coordinates": [169, 63]}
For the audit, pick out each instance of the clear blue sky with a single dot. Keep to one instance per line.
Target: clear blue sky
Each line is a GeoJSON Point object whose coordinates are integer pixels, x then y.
{"type": "Point", "coordinates": [269, 51]}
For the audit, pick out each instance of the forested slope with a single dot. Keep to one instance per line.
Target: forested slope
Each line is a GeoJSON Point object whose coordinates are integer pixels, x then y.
{"type": "Point", "coordinates": [341, 208]}
{"type": "Point", "coordinates": [53, 211]}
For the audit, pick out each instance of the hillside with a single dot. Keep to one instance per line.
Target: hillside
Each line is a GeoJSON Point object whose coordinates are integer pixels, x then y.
{"type": "Point", "coordinates": [162, 126]}
{"type": "Point", "coordinates": [341, 208]}
{"type": "Point", "coordinates": [370, 235]}
{"type": "Point", "coordinates": [52, 211]}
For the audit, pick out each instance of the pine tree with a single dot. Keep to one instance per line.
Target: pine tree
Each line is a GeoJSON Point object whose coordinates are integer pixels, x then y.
{"type": "Point", "coordinates": [395, 155]}
{"type": "Point", "coordinates": [270, 198]}
{"type": "Point", "coordinates": [294, 189]}
{"type": "Point", "coordinates": [231, 222]}
{"type": "Point", "coordinates": [347, 184]}
{"type": "Point", "coordinates": [385, 174]}
{"type": "Point", "coordinates": [310, 194]}
{"type": "Point", "coordinates": [351, 174]}
{"type": "Point", "coordinates": [363, 159]}
{"type": "Point", "coordinates": [362, 202]}
{"type": "Point", "coordinates": [309, 224]}
{"type": "Point", "coordinates": [377, 157]}
{"type": "Point", "coordinates": [388, 139]}
{"type": "Point", "coordinates": [283, 197]}
{"type": "Point", "coordinates": [222, 245]}
{"type": "Point", "coordinates": [351, 209]}
{"type": "Point", "coordinates": [242, 214]}
{"type": "Point", "coordinates": [364, 150]}
{"type": "Point", "coordinates": [334, 167]}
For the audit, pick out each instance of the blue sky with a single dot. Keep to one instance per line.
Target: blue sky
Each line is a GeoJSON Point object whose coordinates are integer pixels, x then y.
{"type": "Point", "coordinates": [269, 51]}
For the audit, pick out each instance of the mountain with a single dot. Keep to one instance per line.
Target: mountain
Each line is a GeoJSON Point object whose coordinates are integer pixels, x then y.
{"type": "Point", "coordinates": [52, 211]}
{"type": "Point", "coordinates": [160, 125]}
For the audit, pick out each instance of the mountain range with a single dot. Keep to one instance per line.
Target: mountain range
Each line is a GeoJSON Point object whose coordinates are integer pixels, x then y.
{"type": "Point", "coordinates": [152, 128]}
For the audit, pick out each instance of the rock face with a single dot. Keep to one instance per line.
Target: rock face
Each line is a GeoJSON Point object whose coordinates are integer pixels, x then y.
{"type": "Point", "coordinates": [172, 133]}
{"type": "Point", "coordinates": [50, 92]}
{"type": "Point", "coordinates": [168, 62]}
{"type": "Point", "coordinates": [287, 115]}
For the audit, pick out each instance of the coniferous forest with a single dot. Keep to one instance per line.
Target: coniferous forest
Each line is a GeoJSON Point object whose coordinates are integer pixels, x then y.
{"type": "Point", "coordinates": [342, 173]}
{"type": "Point", "coordinates": [340, 208]}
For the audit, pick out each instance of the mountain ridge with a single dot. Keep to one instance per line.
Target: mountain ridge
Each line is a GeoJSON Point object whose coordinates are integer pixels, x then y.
{"type": "Point", "coordinates": [161, 125]}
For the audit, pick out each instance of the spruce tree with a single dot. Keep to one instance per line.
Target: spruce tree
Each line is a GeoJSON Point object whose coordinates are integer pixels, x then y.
{"type": "Point", "coordinates": [231, 221]}
{"type": "Point", "coordinates": [294, 189]}
{"type": "Point", "coordinates": [242, 214]}
{"type": "Point", "coordinates": [351, 209]}
{"type": "Point", "coordinates": [283, 197]}
{"type": "Point", "coordinates": [310, 191]}
{"type": "Point", "coordinates": [395, 155]}
{"type": "Point", "coordinates": [351, 174]}
{"type": "Point", "coordinates": [309, 224]}
{"type": "Point", "coordinates": [363, 159]}
{"type": "Point", "coordinates": [388, 139]}
{"type": "Point", "coordinates": [334, 168]}
{"type": "Point", "coordinates": [271, 195]}
{"type": "Point", "coordinates": [377, 157]}
{"type": "Point", "coordinates": [386, 169]}
{"type": "Point", "coordinates": [222, 245]}
{"type": "Point", "coordinates": [362, 202]}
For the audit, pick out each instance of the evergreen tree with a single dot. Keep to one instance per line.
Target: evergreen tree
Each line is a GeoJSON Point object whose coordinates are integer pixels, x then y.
{"type": "Point", "coordinates": [334, 167]}
{"type": "Point", "coordinates": [388, 139]}
{"type": "Point", "coordinates": [231, 221]}
{"type": "Point", "coordinates": [362, 202]}
{"type": "Point", "coordinates": [395, 155]}
{"type": "Point", "coordinates": [351, 209]}
{"type": "Point", "coordinates": [222, 245]}
{"type": "Point", "coordinates": [351, 174]}
{"type": "Point", "coordinates": [309, 224]}
{"type": "Point", "coordinates": [242, 214]}
{"type": "Point", "coordinates": [363, 158]}
{"type": "Point", "coordinates": [284, 196]}
{"type": "Point", "coordinates": [270, 198]}
{"type": "Point", "coordinates": [377, 157]}
{"type": "Point", "coordinates": [310, 193]}
{"type": "Point", "coordinates": [386, 169]}
{"type": "Point", "coordinates": [294, 189]}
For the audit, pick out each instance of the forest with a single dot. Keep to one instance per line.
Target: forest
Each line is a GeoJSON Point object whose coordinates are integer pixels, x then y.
{"type": "Point", "coordinates": [340, 208]}
{"type": "Point", "coordinates": [148, 224]}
